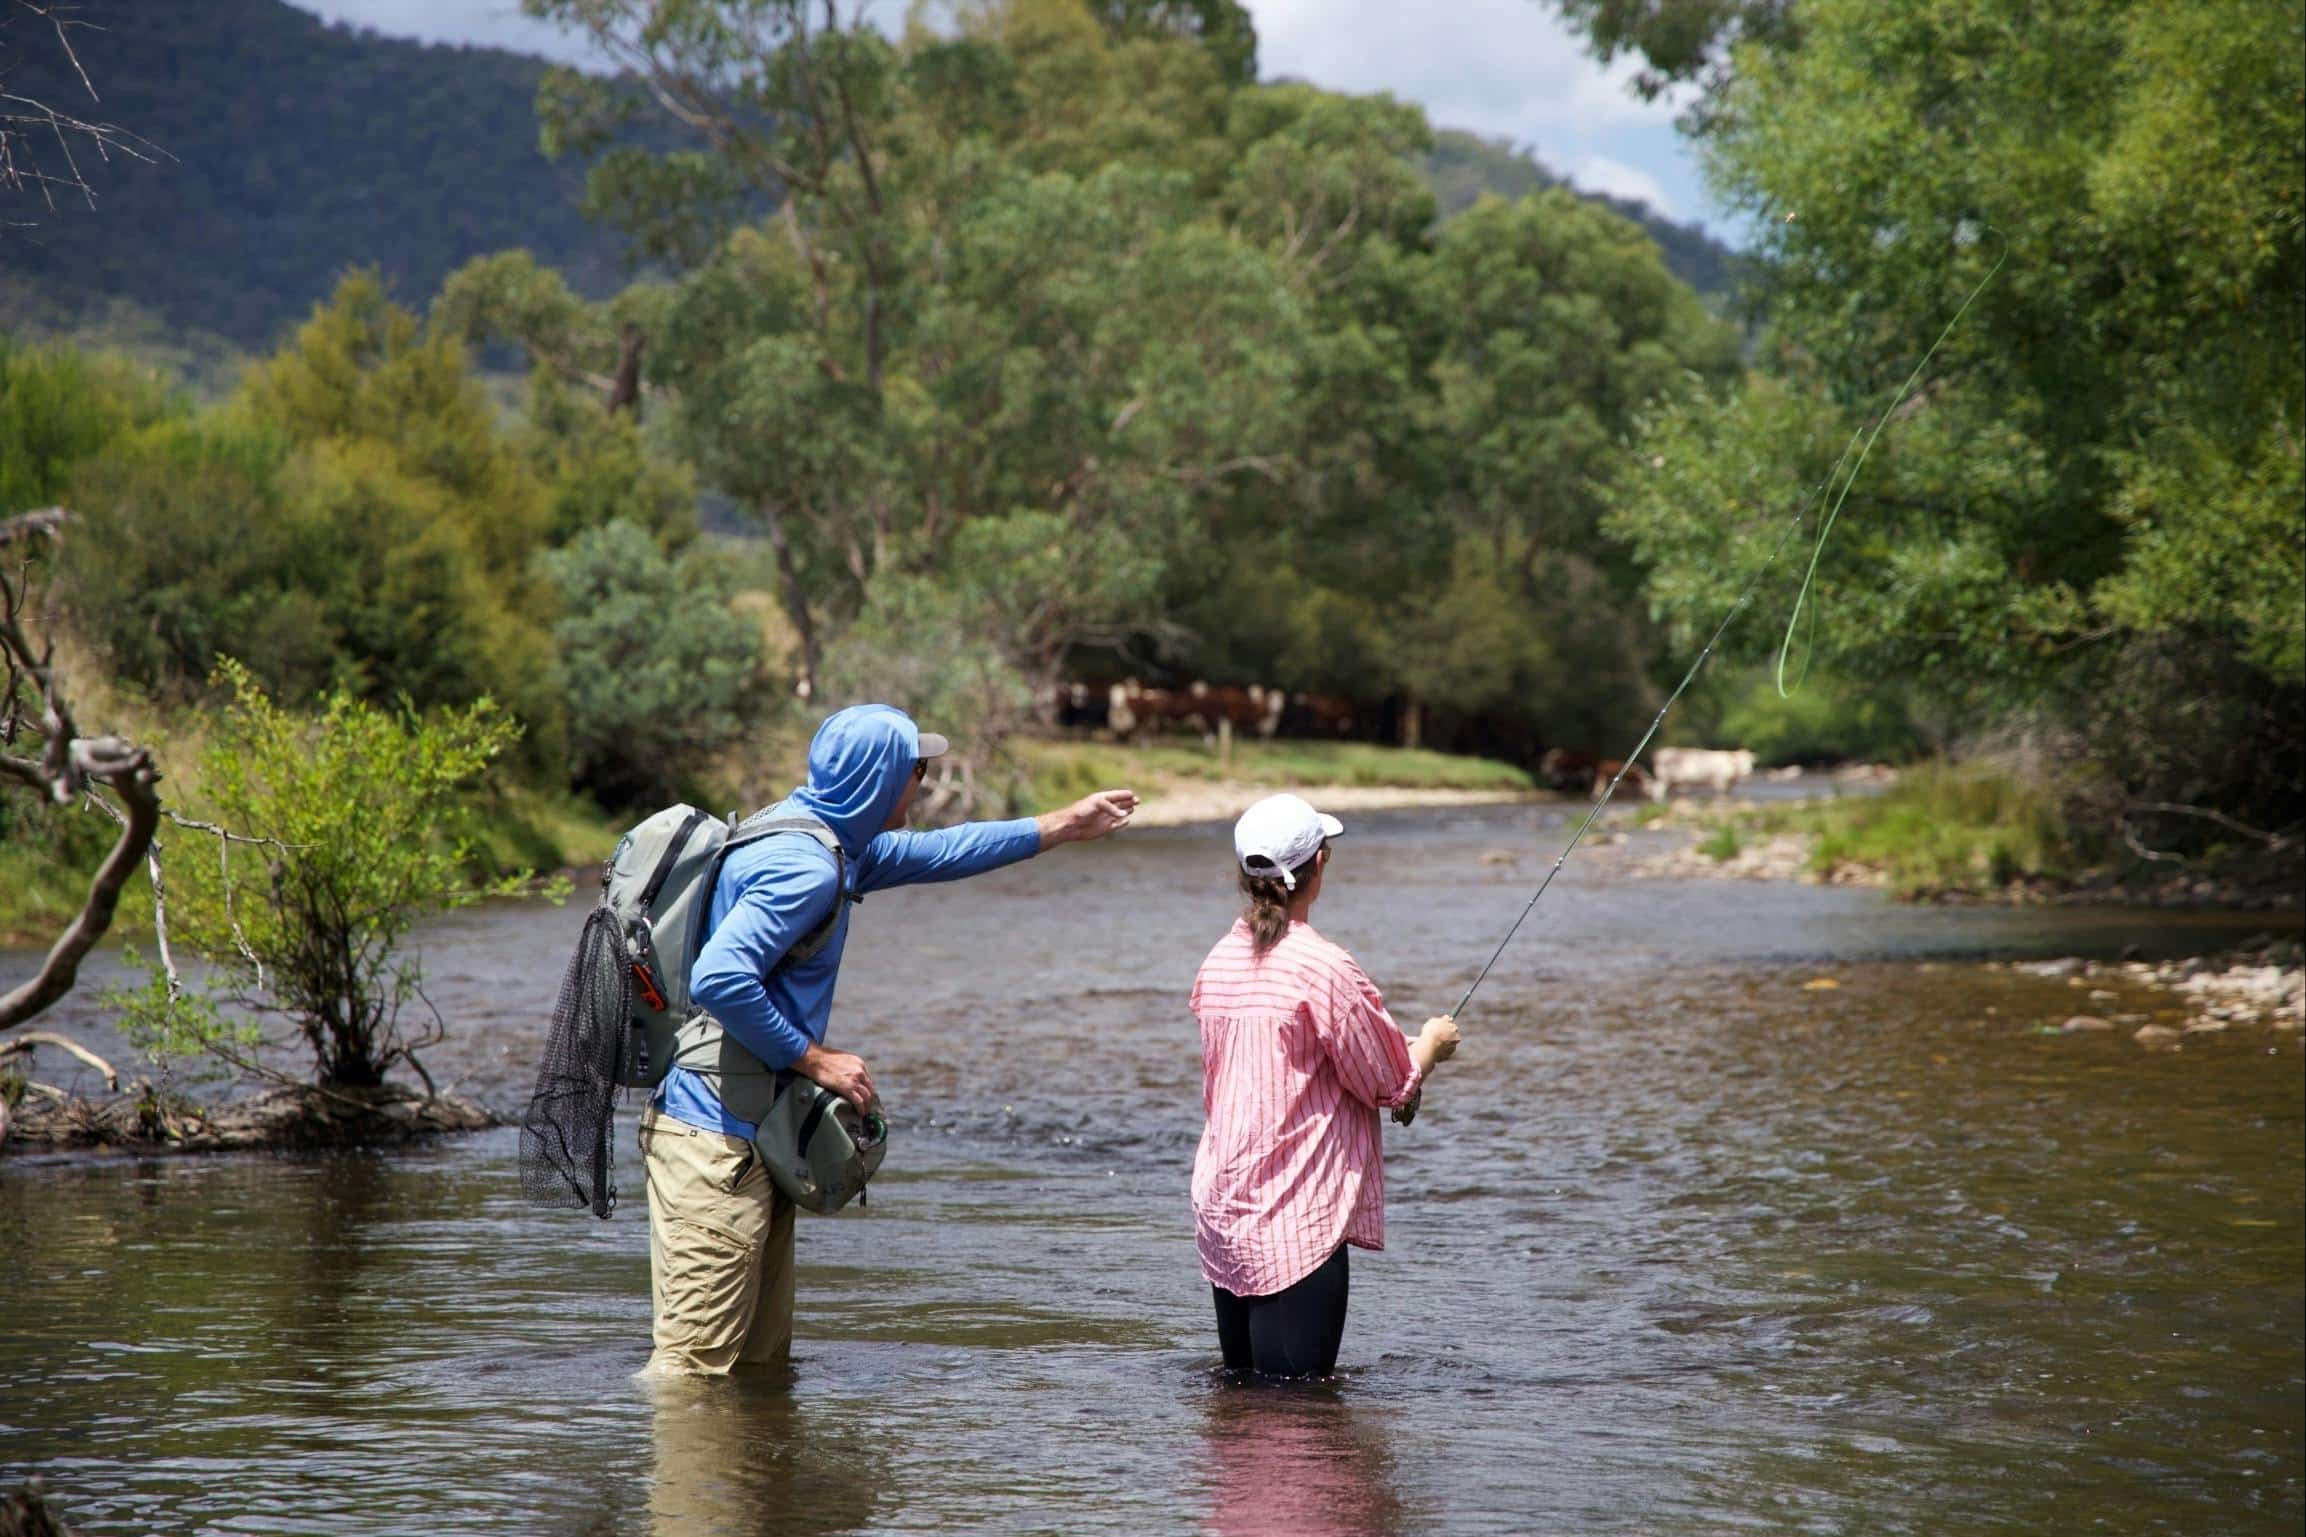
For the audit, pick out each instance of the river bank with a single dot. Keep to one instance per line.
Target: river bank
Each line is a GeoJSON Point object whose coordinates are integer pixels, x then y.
{"type": "Point", "coordinates": [2260, 984]}
{"type": "Point", "coordinates": [1186, 782]}
{"type": "Point", "coordinates": [1191, 803]}
{"type": "Point", "coordinates": [144, 1119]}
{"type": "Point", "coordinates": [1937, 837]}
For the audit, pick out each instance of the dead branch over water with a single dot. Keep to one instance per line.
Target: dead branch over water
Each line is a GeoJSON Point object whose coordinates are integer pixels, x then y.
{"type": "Point", "coordinates": [34, 711]}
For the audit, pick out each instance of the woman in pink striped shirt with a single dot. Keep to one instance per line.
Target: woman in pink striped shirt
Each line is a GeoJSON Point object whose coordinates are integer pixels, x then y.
{"type": "Point", "coordinates": [1298, 1056]}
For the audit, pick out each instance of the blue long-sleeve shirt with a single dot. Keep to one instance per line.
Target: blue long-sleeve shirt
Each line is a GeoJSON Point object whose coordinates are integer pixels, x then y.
{"type": "Point", "coordinates": [774, 892]}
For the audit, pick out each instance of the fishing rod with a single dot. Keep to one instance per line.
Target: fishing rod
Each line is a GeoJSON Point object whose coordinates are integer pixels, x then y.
{"type": "Point", "coordinates": [1753, 583]}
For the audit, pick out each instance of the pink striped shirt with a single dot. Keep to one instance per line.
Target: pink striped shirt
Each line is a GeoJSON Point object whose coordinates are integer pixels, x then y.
{"type": "Point", "coordinates": [1297, 1056]}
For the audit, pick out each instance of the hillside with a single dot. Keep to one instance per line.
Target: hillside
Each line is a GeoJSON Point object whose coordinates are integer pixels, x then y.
{"type": "Point", "coordinates": [1463, 166]}
{"type": "Point", "coordinates": [300, 149]}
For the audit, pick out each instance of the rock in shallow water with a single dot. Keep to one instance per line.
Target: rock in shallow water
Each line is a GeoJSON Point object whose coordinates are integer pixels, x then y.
{"type": "Point", "coordinates": [2156, 1035]}
{"type": "Point", "coordinates": [2082, 1022]}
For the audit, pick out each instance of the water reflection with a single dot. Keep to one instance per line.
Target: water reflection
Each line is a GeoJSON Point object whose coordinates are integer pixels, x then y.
{"type": "Point", "coordinates": [741, 1456]}
{"type": "Point", "coordinates": [1298, 1460]}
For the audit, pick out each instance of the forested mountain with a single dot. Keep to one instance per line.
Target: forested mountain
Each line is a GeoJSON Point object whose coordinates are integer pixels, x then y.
{"type": "Point", "coordinates": [294, 150]}
{"type": "Point", "coordinates": [300, 149]}
{"type": "Point", "coordinates": [1462, 166]}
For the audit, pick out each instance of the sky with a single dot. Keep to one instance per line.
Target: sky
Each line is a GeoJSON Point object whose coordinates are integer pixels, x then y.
{"type": "Point", "coordinates": [1505, 69]}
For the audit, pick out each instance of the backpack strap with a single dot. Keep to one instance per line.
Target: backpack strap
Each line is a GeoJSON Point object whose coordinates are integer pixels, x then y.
{"type": "Point", "coordinates": [761, 825]}
{"type": "Point", "coordinates": [666, 861]}
{"type": "Point", "coordinates": [701, 1046]}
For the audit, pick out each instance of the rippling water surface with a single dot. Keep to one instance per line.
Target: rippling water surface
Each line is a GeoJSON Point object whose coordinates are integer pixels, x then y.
{"type": "Point", "coordinates": [1681, 1242]}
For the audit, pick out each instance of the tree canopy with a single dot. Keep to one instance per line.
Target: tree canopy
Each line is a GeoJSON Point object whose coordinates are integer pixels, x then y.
{"type": "Point", "coordinates": [2103, 464]}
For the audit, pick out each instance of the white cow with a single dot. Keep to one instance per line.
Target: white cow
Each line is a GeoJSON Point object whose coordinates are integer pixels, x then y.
{"type": "Point", "coordinates": [1717, 769]}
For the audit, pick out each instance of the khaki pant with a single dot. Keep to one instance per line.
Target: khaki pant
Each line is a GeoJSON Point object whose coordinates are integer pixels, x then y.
{"type": "Point", "coordinates": [720, 1251]}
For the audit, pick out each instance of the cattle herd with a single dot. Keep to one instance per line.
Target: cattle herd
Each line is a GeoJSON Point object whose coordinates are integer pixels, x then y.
{"type": "Point", "coordinates": [1133, 712]}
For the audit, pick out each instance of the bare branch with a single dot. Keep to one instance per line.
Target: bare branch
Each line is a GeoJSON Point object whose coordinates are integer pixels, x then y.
{"type": "Point", "coordinates": [130, 773]}
{"type": "Point", "coordinates": [26, 124]}
{"type": "Point", "coordinates": [2275, 841]}
{"type": "Point", "coordinates": [31, 1038]}
{"type": "Point", "coordinates": [2131, 838]}
{"type": "Point", "coordinates": [215, 831]}
{"type": "Point", "coordinates": [24, 525]}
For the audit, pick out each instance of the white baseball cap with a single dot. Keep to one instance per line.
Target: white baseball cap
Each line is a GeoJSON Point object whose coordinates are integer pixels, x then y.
{"type": "Point", "coordinates": [1280, 833]}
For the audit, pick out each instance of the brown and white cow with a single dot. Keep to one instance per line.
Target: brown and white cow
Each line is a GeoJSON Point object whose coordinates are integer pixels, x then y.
{"type": "Point", "coordinates": [1713, 768]}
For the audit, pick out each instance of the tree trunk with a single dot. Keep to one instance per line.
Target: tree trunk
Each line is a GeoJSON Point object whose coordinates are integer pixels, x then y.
{"type": "Point", "coordinates": [795, 600]}
{"type": "Point", "coordinates": [625, 392]}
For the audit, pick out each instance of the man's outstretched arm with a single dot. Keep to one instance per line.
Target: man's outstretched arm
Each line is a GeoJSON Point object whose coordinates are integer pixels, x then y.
{"type": "Point", "coordinates": [972, 848]}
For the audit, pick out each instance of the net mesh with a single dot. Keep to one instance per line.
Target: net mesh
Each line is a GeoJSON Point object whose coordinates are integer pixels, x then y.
{"type": "Point", "coordinates": [566, 1135]}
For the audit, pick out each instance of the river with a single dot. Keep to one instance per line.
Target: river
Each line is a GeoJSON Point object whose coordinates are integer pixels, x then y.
{"type": "Point", "coordinates": [1685, 1240]}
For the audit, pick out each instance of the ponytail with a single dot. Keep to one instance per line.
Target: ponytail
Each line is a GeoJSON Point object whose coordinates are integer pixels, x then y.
{"type": "Point", "coordinates": [1268, 899]}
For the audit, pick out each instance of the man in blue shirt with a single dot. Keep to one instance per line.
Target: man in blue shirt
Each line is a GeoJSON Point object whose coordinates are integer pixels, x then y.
{"type": "Point", "coordinates": [720, 1233]}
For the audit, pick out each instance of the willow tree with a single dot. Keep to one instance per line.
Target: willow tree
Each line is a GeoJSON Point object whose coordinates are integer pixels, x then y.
{"type": "Point", "coordinates": [2094, 505]}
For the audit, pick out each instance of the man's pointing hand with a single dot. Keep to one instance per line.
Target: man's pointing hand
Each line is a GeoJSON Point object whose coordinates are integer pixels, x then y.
{"type": "Point", "coordinates": [1092, 816]}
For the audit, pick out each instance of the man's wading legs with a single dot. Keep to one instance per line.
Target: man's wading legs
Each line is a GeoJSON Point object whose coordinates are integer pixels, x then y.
{"type": "Point", "coordinates": [720, 1252]}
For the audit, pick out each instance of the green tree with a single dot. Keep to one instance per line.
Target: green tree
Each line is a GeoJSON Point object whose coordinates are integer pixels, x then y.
{"type": "Point", "coordinates": [353, 519]}
{"type": "Point", "coordinates": [1681, 41]}
{"type": "Point", "coordinates": [582, 434]}
{"type": "Point", "coordinates": [2105, 457]}
{"type": "Point", "coordinates": [58, 406]}
{"type": "Point", "coordinates": [188, 549]}
{"type": "Point", "coordinates": [657, 674]}
{"type": "Point", "coordinates": [1062, 318]}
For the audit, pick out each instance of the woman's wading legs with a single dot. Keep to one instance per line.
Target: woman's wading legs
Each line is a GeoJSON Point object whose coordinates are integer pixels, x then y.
{"type": "Point", "coordinates": [1295, 1332]}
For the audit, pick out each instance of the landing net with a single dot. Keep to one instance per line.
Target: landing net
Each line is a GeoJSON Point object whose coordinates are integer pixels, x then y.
{"type": "Point", "coordinates": [565, 1136]}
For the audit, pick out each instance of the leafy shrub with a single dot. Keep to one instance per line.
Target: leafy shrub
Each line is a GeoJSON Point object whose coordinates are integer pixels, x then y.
{"type": "Point", "coordinates": [656, 672]}
{"type": "Point", "coordinates": [366, 830]}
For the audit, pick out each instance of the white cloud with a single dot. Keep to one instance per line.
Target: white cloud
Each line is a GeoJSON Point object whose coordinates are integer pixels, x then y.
{"type": "Point", "coordinates": [1489, 65]}
{"type": "Point", "coordinates": [1599, 173]}
{"type": "Point", "coordinates": [489, 23]}
{"type": "Point", "coordinates": [1504, 69]}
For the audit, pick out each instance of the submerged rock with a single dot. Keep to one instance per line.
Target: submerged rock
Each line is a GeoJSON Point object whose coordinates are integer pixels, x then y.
{"type": "Point", "coordinates": [2082, 1022]}
{"type": "Point", "coordinates": [2156, 1035]}
{"type": "Point", "coordinates": [2065, 967]}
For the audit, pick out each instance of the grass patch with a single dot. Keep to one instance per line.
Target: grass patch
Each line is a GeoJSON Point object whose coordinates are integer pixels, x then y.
{"type": "Point", "coordinates": [1722, 844]}
{"type": "Point", "coordinates": [1940, 828]}
{"type": "Point", "coordinates": [43, 884]}
{"type": "Point", "coordinates": [523, 828]}
{"type": "Point", "coordinates": [1059, 772]}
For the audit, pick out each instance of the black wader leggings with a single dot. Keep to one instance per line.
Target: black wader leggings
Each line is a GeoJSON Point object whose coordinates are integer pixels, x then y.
{"type": "Point", "coordinates": [1294, 1332]}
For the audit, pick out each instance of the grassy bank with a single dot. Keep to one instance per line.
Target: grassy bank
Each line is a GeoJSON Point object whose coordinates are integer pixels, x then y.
{"type": "Point", "coordinates": [1939, 830]}
{"type": "Point", "coordinates": [1061, 771]}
